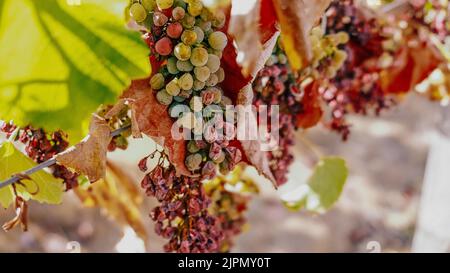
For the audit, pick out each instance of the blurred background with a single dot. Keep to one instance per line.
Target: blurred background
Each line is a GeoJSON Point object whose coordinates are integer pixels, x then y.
{"type": "Point", "coordinates": [378, 209]}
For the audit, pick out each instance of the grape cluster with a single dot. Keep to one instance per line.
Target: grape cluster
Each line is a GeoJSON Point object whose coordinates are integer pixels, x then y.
{"type": "Point", "coordinates": [276, 84]}
{"type": "Point", "coordinates": [182, 216]}
{"type": "Point", "coordinates": [41, 146]}
{"type": "Point", "coordinates": [435, 14]}
{"type": "Point", "coordinates": [355, 87]}
{"type": "Point", "coordinates": [186, 38]}
{"type": "Point", "coordinates": [230, 196]}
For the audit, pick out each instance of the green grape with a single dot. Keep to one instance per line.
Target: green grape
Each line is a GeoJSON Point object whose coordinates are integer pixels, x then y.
{"type": "Point", "coordinates": [218, 40]}
{"type": "Point", "coordinates": [282, 59]}
{"type": "Point", "coordinates": [164, 4]}
{"type": "Point", "coordinates": [198, 85]}
{"type": "Point", "coordinates": [219, 20]}
{"type": "Point", "coordinates": [157, 81]}
{"type": "Point", "coordinates": [184, 66]}
{"type": "Point", "coordinates": [172, 66]}
{"type": "Point", "coordinates": [192, 147]}
{"type": "Point", "coordinates": [213, 63]}
{"type": "Point", "coordinates": [188, 21]}
{"type": "Point", "coordinates": [202, 73]}
{"type": "Point", "coordinates": [200, 34]}
{"type": "Point", "coordinates": [189, 37]}
{"type": "Point", "coordinates": [217, 95]}
{"type": "Point", "coordinates": [193, 162]}
{"type": "Point", "coordinates": [213, 51]}
{"type": "Point", "coordinates": [186, 81]}
{"type": "Point", "coordinates": [220, 75]}
{"type": "Point", "coordinates": [204, 25]}
{"type": "Point", "coordinates": [180, 3]}
{"type": "Point", "coordinates": [212, 81]}
{"type": "Point", "coordinates": [178, 13]}
{"type": "Point", "coordinates": [138, 12]}
{"type": "Point", "coordinates": [206, 15]}
{"type": "Point", "coordinates": [164, 98]}
{"type": "Point", "coordinates": [272, 60]}
{"type": "Point", "coordinates": [196, 104]}
{"type": "Point", "coordinates": [199, 56]}
{"type": "Point", "coordinates": [195, 8]}
{"type": "Point", "coordinates": [179, 98]}
{"type": "Point", "coordinates": [173, 87]}
{"type": "Point", "coordinates": [182, 52]}
{"type": "Point", "coordinates": [149, 5]}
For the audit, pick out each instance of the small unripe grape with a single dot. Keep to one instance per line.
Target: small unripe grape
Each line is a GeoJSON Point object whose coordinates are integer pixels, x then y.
{"type": "Point", "coordinates": [157, 81]}
{"type": "Point", "coordinates": [174, 30]}
{"type": "Point", "coordinates": [164, 98]}
{"type": "Point", "coordinates": [282, 59]}
{"type": "Point", "coordinates": [195, 8]}
{"type": "Point", "coordinates": [202, 73]}
{"type": "Point", "coordinates": [173, 88]}
{"type": "Point", "coordinates": [149, 5]}
{"type": "Point", "coordinates": [184, 66]}
{"type": "Point", "coordinates": [218, 40]}
{"type": "Point", "coordinates": [199, 56]}
{"type": "Point", "coordinates": [220, 75]}
{"type": "Point", "coordinates": [186, 81]}
{"type": "Point", "coordinates": [192, 147]}
{"type": "Point", "coordinates": [196, 104]}
{"type": "Point", "coordinates": [164, 4]}
{"type": "Point", "coordinates": [213, 51]}
{"type": "Point", "coordinates": [172, 66]}
{"type": "Point", "coordinates": [182, 52]}
{"type": "Point", "coordinates": [178, 13]}
{"type": "Point", "coordinates": [193, 162]}
{"type": "Point", "coordinates": [200, 34]}
{"type": "Point", "coordinates": [217, 95]}
{"type": "Point", "coordinates": [189, 37]}
{"type": "Point", "coordinates": [198, 85]}
{"type": "Point", "coordinates": [212, 81]}
{"type": "Point", "coordinates": [213, 63]}
{"type": "Point", "coordinates": [138, 12]}
{"type": "Point", "coordinates": [219, 20]}
{"type": "Point", "coordinates": [164, 46]}
{"type": "Point", "coordinates": [179, 98]}
{"type": "Point", "coordinates": [188, 21]}
{"type": "Point", "coordinates": [159, 19]}
{"type": "Point", "coordinates": [204, 25]}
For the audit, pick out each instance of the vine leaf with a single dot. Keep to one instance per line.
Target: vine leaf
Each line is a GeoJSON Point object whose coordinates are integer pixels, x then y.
{"type": "Point", "coordinates": [65, 61]}
{"type": "Point", "coordinates": [152, 119]}
{"type": "Point", "coordinates": [324, 186]}
{"type": "Point", "coordinates": [89, 156]}
{"type": "Point", "coordinates": [296, 19]}
{"type": "Point", "coordinates": [42, 187]}
{"type": "Point", "coordinates": [254, 32]}
{"type": "Point", "coordinates": [312, 112]}
{"type": "Point", "coordinates": [118, 196]}
{"type": "Point", "coordinates": [413, 65]}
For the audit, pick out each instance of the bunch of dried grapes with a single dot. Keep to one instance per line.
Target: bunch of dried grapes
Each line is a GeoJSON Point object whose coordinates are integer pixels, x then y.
{"type": "Point", "coordinates": [42, 146]}
{"type": "Point", "coordinates": [355, 88]}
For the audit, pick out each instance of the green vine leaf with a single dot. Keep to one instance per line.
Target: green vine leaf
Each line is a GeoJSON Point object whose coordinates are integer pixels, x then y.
{"type": "Point", "coordinates": [324, 187]}
{"type": "Point", "coordinates": [61, 61]}
{"type": "Point", "coordinates": [43, 187]}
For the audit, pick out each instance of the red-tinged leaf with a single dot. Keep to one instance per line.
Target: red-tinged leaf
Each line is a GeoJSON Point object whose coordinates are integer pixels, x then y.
{"type": "Point", "coordinates": [255, 33]}
{"type": "Point", "coordinates": [312, 111]}
{"type": "Point", "coordinates": [296, 19]}
{"type": "Point", "coordinates": [411, 66]}
{"type": "Point", "coordinates": [234, 79]}
{"type": "Point", "coordinates": [89, 156]}
{"type": "Point", "coordinates": [152, 119]}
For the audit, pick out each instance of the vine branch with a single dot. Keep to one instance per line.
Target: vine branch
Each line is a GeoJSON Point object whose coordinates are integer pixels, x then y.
{"type": "Point", "coordinates": [17, 177]}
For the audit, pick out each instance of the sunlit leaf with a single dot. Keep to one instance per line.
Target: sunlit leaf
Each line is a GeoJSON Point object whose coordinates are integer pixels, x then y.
{"type": "Point", "coordinates": [61, 61]}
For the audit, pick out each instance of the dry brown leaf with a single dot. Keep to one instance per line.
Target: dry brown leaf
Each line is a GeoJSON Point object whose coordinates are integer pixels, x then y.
{"type": "Point", "coordinates": [118, 196]}
{"type": "Point", "coordinates": [250, 31]}
{"type": "Point", "coordinates": [150, 117]}
{"type": "Point", "coordinates": [296, 19]}
{"type": "Point", "coordinates": [89, 156]}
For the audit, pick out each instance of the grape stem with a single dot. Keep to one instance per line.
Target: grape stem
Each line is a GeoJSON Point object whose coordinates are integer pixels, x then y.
{"type": "Point", "coordinates": [17, 177]}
